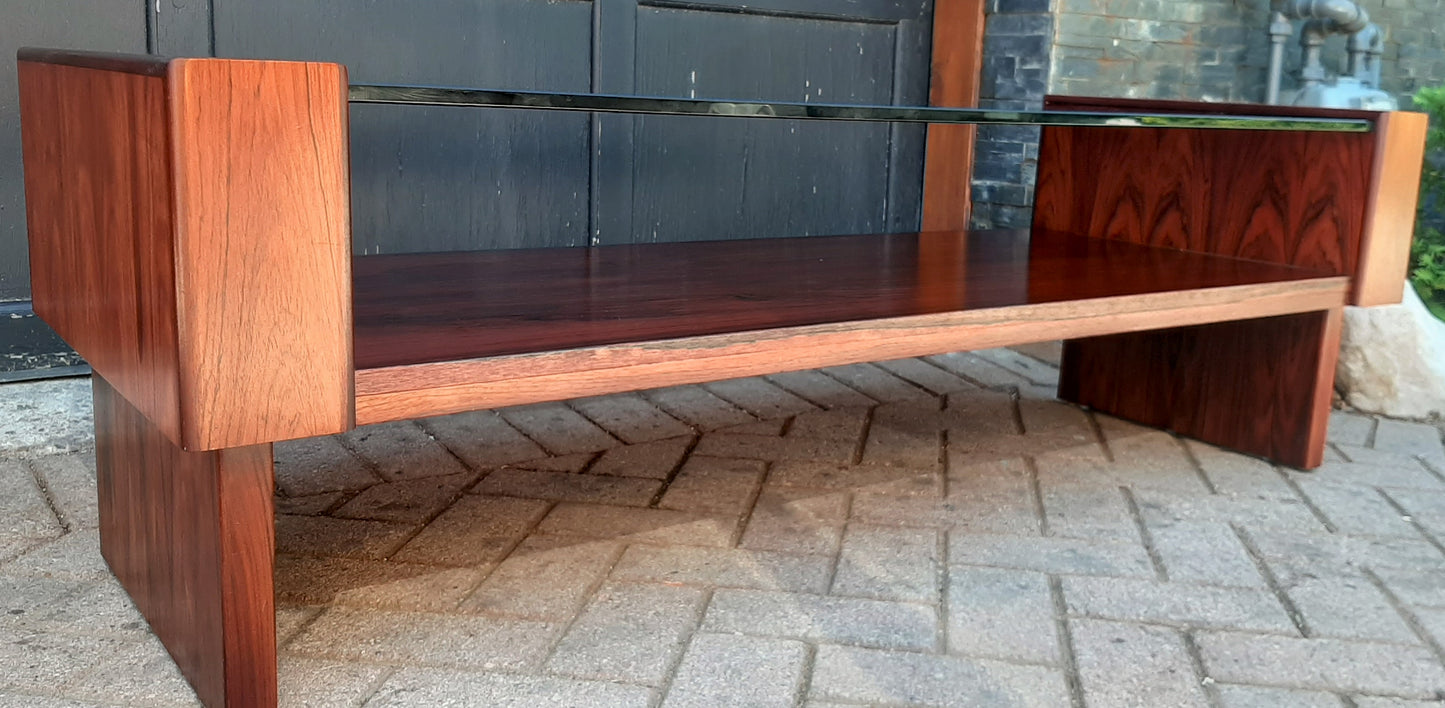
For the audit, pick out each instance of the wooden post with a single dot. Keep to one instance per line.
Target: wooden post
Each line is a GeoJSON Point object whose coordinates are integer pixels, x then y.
{"type": "Point", "coordinates": [958, 27]}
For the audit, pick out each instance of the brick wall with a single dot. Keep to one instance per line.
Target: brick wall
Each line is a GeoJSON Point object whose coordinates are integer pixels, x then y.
{"type": "Point", "coordinates": [1210, 50]}
{"type": "Point", "coordinates": [1016, 47]}
{"type": "Point", "coordinates": [1219, 50]}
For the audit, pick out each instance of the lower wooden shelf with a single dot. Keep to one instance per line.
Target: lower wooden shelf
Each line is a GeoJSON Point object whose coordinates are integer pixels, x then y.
{"type": "Point", "coordinates": [449, 332]}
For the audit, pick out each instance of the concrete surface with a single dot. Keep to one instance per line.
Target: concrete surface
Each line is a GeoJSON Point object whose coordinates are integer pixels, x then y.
{"type": "Point", "coordinates": [931, 532]}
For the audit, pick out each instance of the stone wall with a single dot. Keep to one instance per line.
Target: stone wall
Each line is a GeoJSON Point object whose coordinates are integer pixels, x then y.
{"type": "Point", "coordinates": [1218, 50]}
{"type": "Point", "coordinates": [1209, 50]}
{"type": "Point", "coordinates": [1017, 42]}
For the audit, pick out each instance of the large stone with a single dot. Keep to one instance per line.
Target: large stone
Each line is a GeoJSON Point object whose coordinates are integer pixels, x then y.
{"type": "Point", "coordinates": [1392, 359]}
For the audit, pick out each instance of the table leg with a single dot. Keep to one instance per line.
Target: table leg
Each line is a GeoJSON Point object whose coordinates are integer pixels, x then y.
{"type": "Point", "coordinates": [1261, 387]}
{"type": "Point", "coordinates": [191, 537]}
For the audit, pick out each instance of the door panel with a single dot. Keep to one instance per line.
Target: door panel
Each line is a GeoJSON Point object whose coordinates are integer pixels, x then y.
{"type": "Point", "coordinates": [703, 178]}
{"type": "Point", "coordinates": [429, 179]}
{"type": "Point", "coordinates": [710, 178]}
{"type": "Point", "coordinates": [439, 178]}
{"type": "Point", "coordinates": [96, 25]}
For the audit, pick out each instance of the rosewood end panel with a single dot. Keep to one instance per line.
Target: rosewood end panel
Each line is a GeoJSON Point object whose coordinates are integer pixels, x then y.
{"type": "Point", "coordinates": [1289, 198]}
{"type": "Point", "coordinates": [1341, 203]}
{"type": "Point", "coordinates": [1338, 202]}
{"type": "Point", "coordinates": [189, 225]}
{"type": "Point", "coordinates": [1260, 386]}
{"type": "Point", "coordinates": [191, 536]}
{"type": "Point", "coordinates": [96, 147]}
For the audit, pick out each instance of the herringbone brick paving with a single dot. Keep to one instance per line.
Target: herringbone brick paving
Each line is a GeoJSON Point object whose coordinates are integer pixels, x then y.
{"type": "Point", "coordinates": [934, 532]}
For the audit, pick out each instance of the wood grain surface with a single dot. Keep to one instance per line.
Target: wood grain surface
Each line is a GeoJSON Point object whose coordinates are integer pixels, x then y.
{"type": "Point", "coordinates": [419, 308]}
{"type": "Point", "coordinates": [1338, 201]}
{"type": "Point", "coordinates": [438, 333]}
{"type": "Point", "coordinates": [191, 537]}
{"type": "Point", "coordinates": [97, 200]}
{"type": "Point", "coordinates": [190, 236]}
{"type": "Point", "coordinates": [1390, 211]}
{"type": "Point", "coordinates": [948, 164]}
{"type": "Point", "coordinates": [262, 250]}
{"type": "Point", "coordinates": [1291, 198]}
{"type": "Point", "coordinates": [1259, 386]}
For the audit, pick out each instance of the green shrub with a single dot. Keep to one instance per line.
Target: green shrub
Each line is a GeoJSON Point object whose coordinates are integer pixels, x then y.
{"type": "Point", "coordinates": [1427, 255]}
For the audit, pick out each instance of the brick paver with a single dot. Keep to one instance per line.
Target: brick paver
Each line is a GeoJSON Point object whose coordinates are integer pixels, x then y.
{"type": "Point", "coordinates": [883, 624]}
{"type": "Point", "coordinates": [889, 564]}
{"type": "Point", "coordinates": [402, 450]}
{"type": "Point", "coordinates": [629, 632]}
{"type": "Point", "coordinates": [631, 418]}
{"type": "Point", "coordinates": [737, 670]}
{"type": "Point", "coordinates": [874, 677]}
{"type": "Point", "coordinates": [1325, 664]}
{"type": "Point", "coordinates": [760, 398]}
{"type": "Point", "coordinates": [303, 580]}
{"type": "Point", "coordinates": [23, 505]}
{"type": "Point", "coordinates": [1004, 614]}
{"type": "Point", "coordinates": [921, 532]}
{"type": "Point", "coordinates": [316, 465]}
{"type": "Point", "coordinates": [1231, 696]}
{"type": "Point", "coordinates": [1123, 664]}
{"type": "Point", "coordinates": [558, 428]}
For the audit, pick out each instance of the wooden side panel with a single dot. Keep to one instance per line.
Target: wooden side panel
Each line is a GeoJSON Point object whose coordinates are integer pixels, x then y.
{"type": "Point", "coordinates": [1390, 212]}
{"type": "Point", "coordinates": [97, 199]}
{"type": "Point", "coordinates": [1297, 199]}
{"type": "Point", "coordinates": [191, 537]}
{"type": "Point", "coordinates": [262, 250]}
{"type": "Point", "coordinates": [1345, 202]}
{"type": "Point", "coordinates": [1290, 198]}
{"type": "Point", "coordinates": [1257, 386]}
{"type": "Point", "coordinates": [948, 168]}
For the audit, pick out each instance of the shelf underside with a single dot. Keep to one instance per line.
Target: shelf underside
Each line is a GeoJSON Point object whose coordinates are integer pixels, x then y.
{"type": "Point", "coordinates": [442, 332]}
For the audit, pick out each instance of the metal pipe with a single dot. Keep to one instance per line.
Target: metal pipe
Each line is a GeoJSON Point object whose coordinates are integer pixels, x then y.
{"type": "Point", "coordinates": [1365, 49]}
{"type": "Point", "coordinates": [1339, 16]}
{"type": "Point", "coordinates": [1373, 55]}
{"type": "Point", "coordinates": [1358, 47]}
{"type": "Point", "coordinates": [1280, 29]}
{"type": "Point", "coordinates": [1325, 17]}
{"type": "Point", "coordinates": [1311, 39]}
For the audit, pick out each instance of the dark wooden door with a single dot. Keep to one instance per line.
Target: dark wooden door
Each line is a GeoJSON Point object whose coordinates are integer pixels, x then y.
{"type": "Point", "coordinates": [441, 178]}
{"type": "Point", "coordinates": [434, 179]}
{"type": "Point", "coordinates": [679, 178]}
